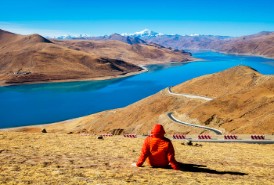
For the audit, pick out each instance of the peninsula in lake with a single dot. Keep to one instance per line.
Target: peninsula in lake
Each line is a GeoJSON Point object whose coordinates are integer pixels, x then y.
{"type": "Point", "coordinates": [34, 59]}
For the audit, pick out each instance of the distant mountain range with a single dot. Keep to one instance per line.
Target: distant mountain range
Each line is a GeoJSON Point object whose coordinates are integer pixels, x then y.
{"type": "Point", "coordinates": [116, 36]}
{"type": "Point", "coordinates": [145, 34]}
{"type": "Point", "coordinates": [257, 44]}
{"type": "Point", "coordinates": [261, 44]}
{"type": "Point", "coordinates": [70, 37]}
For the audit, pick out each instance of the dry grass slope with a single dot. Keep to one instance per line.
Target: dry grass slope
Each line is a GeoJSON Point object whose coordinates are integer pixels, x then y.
{"type": "Point", "coordinates": [244, 100]}
{"type": "Point", "coordinates": [27, 158]}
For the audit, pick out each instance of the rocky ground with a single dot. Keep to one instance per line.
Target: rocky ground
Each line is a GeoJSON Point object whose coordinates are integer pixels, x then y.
{"type": "Point", "coordinates": [37, 158]}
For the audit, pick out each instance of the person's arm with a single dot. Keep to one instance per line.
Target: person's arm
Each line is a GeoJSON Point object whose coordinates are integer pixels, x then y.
{"type": "Point", "coordinates": [144, 153]}
{"type": "Point", "coordinates": [171, 157]}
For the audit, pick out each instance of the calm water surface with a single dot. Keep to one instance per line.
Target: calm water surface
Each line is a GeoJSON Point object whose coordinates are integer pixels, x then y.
{"type": "Point", "coordinates": [45, 103]}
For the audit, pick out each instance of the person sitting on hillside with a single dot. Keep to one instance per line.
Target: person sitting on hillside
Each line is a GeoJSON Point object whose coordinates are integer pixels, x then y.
{"type": "Point", "coordinates": [158, 149]}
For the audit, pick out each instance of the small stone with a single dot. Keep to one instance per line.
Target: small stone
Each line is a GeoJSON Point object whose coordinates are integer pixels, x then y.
{"type": "Point", "coordinates": [199, 145]}
{"type": "Point", "coordinates": [189, 143]}
{"type": "Point", "coordinates": [100, 137]}
{"type": "Point", "coordinates": [44, 130]}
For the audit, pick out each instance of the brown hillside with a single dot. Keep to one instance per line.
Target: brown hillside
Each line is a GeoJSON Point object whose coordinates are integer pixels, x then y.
{"type": "Point", "coordinates": [249, 111]}
{"type": "Point", "coordinates": [138, 54]}
{"type": "Point", "coordinates": [32, 58]}
{"type": "Point", "coordinates": [243, 103]}
{"type": "Point", "coordinates": [244, 100]}
{"type": "Point", "coordinates": [258, 44]}
{"type": "Point", "coordinates": [6, 36]}
{"type": "Point", "coordinates": [35, 59]}
{"type": "Point", "coordinates": [226, 82]}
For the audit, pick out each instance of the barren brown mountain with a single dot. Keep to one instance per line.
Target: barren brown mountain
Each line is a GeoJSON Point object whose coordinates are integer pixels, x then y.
{"type": "Point", "coordinates": [258, 44]}
{"type": "Point", "coordinates": [243, 103]}
{"type": "Point", "coordinates": [138, 54]}
{"type": "Point", "coordinates": [32, 58]}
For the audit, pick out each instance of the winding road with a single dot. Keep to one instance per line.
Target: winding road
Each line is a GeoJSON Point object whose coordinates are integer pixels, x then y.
{"type": "Point", "coordinates": [189, 95]}
{"type": "Point", "coordinates": [218, 132]}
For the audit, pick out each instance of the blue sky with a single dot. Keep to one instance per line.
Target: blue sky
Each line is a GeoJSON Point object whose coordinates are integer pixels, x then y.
{"type": "Point", "coordinates": [100, 17]}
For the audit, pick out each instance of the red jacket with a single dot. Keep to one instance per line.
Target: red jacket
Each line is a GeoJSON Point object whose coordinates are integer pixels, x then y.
{"type": "Point", "coordinates": [158, 149]}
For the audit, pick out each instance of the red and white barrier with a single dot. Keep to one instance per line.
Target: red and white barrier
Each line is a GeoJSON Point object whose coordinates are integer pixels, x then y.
{"type": "Point", "coordinates": [204, 137]}
{"type": "Point", "coordinates": [231, 137]}
{"type": "Point", "coordinates": [106, 135]}
{"type": "Point", "coordinates": [257, 137]}
{"type": "Point", "coordinates": [179, 136]}
{"type": "Point", "coordinates": [130, 135]}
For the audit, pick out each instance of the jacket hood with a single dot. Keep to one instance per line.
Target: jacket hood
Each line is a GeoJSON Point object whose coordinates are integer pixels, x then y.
{"type": "Point", "coordinates": [158, 130]}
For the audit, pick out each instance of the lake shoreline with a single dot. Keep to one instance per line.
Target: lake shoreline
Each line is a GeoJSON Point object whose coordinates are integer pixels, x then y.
{"type": "Point", "coordinates": [78, 80]}
{"type": "Point", "coordinates": [144, 69]}
{"type": "Point", "coordinates": [242, 54]}
{"type": "Point", "coordinates": [35, 127]}
{"type": "Point", "coordinates": [59, 106]}
{"type": "Point", "coordinates": [42, 125]}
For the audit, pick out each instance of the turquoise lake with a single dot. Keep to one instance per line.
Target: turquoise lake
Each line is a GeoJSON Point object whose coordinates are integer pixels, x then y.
{"type": "Point", "coordinates": [45, 103]}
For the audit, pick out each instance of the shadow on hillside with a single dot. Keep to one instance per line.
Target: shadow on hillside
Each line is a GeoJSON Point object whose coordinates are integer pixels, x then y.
{"type": "Point", "coordinates": [203, 169]}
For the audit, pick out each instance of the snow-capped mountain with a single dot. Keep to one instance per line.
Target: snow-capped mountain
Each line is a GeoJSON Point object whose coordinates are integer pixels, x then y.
{"type": "Point", "coordinates": [146, 36]}
{"type": "Point", "coordinates": [143, 33]}
{"type": "Point", "coordinates": [70, 37]}
{"type": "Point", "coordinates": [146, 33]}
{"type": "Point", "coordinates": [193, 35]}
{"type": "Point", "coordinates": [116, 36]}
